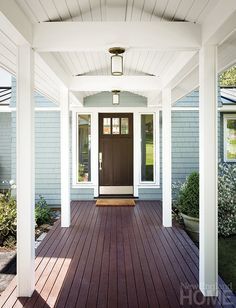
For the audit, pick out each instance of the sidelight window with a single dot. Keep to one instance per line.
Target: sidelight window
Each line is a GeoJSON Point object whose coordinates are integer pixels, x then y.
{"type": "Point", "coordinates": [230, 138]}
{"type": "Point", "coordinates": [84, 148]}
{"type": "Point", "coordinates": [147, 148]}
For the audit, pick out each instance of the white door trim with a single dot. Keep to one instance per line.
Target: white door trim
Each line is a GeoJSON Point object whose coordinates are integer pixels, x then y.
{"type": "Point", "coordinates": [94, 112]}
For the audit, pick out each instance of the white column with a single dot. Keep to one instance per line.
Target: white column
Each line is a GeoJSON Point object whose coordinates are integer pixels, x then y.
{"type": "Point", "coordinates": [208, 267]}
{"type": "Point", "coordinates": [65, 157]}
{"type": "Point", "coordinates": [166, 158]}
{"type": "Point", "coordinates": [25, 173]}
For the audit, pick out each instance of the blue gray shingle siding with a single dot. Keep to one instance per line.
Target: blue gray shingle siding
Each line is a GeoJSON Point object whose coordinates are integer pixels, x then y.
{"type": "Point", "coordinates": [185, 144]}
{"type": "Point", "coordinates": [5, 148]}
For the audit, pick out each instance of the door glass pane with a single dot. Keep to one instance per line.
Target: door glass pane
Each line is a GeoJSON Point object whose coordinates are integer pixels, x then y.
{"type": "Point", "coordinates": [106, 126]}
{"type": "Point", "coordinates": [231, 139]}
{"type": "Point", "coordinates": [115, 126]}
{"type": "Point", "coordinates": [147, 148]}
{"type": "Point", "coordinates": [124, 126]}
{"type": "Point", "coordinates": [84, 148]}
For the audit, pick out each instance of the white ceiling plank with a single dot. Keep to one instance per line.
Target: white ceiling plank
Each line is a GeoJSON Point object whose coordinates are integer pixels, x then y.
{"type": "Point", "coordinates": [63, 10]}
{"type": "Point", "coordinates": [96, 10]}
{"type": "Point", "coordinates": [149, 7]}
{"type": "Point", "coordinates": [220, 23]}
{"type": "Point", "coordinates": [97, 35]}
{"type": "Point", "coordinates": [109, 83]}
{"type": "Point", "coordinates": [86, 10]}
{"type": "Point", "coordinates": [14, 23]}
{"type": "Point", "coordinates": [74, 9]}
{"type": "Point", "coordinates": [38, 10]}
{"type": "Point", "coordinates": [50, 8]}
{"type": "Point", "coordinates": [171, 9]}
{"type": "Point", "coordinates": [183, 9]}
{"type": "Point", "coordinates": [196, 10]}
{"type": "Point", "coordinates": [28, 10]}
{"type": "Point", "coordinates": [116, 10]}
{"type": "Point", "coordinates": [171, 76]}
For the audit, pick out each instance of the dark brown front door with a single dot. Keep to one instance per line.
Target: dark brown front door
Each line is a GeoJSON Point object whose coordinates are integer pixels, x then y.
{"type": "Point", "coordinates": [116, 153]}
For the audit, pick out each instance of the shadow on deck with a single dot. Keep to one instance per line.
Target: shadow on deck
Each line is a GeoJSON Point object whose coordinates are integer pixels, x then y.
{"type": "Point", "coordinates": [117, 257]}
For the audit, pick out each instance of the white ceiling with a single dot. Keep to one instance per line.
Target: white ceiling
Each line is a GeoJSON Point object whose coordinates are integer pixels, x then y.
{"type": "Point", "coordinates": [116, 10]}
{"type": "Point", "coordinates": [136, 62]}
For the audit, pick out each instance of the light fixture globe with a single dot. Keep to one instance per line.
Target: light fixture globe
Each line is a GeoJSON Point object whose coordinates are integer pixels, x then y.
{"type": "Point", "coordinates": [115, 97]}
{"type": "Point", "coordinates": [117, 60]}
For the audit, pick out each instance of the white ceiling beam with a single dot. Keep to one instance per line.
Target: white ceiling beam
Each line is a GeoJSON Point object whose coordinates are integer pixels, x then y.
{"type": "Point", "coordinates": [220, 23]}
{"type": "Point", "coordinates": [14, 23]}
{"type": "Point", "coordinates": [109, 83]}
{"type": "Point", "coordinates": [78, 36]}
{"type": "Point", "coordinates": [182, 65]}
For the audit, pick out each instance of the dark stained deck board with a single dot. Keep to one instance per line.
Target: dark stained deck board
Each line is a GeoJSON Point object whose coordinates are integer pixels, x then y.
{"type": "Point", "coordinates": [115, 257]}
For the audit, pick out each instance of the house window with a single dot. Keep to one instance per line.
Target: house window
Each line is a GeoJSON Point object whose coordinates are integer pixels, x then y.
{"type": "Point", "coordinates": [230, 138]}
{"type": "Point", "coordinates": [147, 148]}
{"type": "Point", "coordinates": [84, 148]}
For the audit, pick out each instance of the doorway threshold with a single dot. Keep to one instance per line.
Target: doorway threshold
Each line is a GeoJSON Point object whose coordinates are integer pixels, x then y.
{"type": "Point", "coordinates": [116, 197]}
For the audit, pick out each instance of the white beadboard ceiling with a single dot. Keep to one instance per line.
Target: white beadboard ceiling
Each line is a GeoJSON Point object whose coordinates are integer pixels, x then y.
{"type": "Point", "coordinates": [136, 62]}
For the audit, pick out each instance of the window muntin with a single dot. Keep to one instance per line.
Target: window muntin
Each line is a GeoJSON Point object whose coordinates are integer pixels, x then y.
{"type": "Point", "coordinates": [147, 148]}
{"type": "Point", "coordinates": [230, 138]}
{"type": "Point", "coordinates": [84, 148]}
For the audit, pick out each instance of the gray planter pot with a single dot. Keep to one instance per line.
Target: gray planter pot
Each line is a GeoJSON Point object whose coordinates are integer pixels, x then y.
{"type": "Point", "coordinates": [192, 226]}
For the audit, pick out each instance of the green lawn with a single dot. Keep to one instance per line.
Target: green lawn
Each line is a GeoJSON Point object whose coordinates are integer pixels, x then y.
{"type": "Point", "coordinates": [227, 260]}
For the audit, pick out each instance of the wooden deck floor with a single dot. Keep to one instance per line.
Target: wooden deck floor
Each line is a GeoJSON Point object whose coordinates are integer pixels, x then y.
{"type": "Point", "coordinates": [116, 257]}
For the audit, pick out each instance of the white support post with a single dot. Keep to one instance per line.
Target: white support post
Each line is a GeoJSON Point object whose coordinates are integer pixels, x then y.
{"type": "Point", "coordinates": [65, 158]}
{"type": "Point", "coordinates": [25, 173]}
{"type": "Point", "coordinates": [208, 267]}
{"type": "Point", "coordinates": [166, 158]}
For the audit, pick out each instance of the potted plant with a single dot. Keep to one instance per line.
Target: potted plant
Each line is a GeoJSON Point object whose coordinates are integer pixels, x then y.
{"type": "Point", "coordinates": [188, 204]}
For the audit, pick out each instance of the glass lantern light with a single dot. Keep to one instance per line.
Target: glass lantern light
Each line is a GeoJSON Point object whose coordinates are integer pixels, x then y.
{"type": "Point", "coordinates": [117, 61]}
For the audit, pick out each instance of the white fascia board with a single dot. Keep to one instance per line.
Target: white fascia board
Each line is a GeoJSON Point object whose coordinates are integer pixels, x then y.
{"type": "Point", "coordinates": [14, 23]}
{"type": "Point", "coordinates": [109, 83]}
{"type": "Point", "coordinates": [220, 23]}
{"type": "Point", "coordinates": [87, 36]}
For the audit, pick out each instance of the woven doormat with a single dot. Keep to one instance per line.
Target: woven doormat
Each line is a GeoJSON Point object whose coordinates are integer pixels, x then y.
{"type": "Point", "coordinates": [115, 202]}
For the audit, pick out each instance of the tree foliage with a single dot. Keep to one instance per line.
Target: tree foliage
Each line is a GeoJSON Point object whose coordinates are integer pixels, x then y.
{"type": "Point", "coordinates": [228, 78]}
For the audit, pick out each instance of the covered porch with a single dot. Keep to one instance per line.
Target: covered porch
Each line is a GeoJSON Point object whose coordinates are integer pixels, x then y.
{"type": "Point", "coordinates": [189, 54]}
{"type": "Point", "coordinates": [117, 257]}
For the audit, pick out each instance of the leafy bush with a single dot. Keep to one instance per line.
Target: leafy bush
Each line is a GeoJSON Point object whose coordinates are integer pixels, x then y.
{"type": "Point", "coordinates": [227, 199]}
{"type": "Point", "coordinates": [188, 197]}
{"type": "Point", "coordinates": [42, 212]}
{"type": "Point", "coordinates": [7, 218]}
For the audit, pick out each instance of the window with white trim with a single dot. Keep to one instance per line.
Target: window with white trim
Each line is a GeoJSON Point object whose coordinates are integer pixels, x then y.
{"type": "Point", "coordinates": [147, 148]}
{"type": "Point", "coordinates": [230, 138]}
{"type": "Point", "coordinates": [83, 167]}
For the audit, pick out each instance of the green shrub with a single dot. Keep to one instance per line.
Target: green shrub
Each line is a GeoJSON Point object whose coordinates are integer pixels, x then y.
{"type": "Point", "coordinates": [7, 218]}
{"type": "Point", "coordinates": [227, 199]}
{"type": "Point", "coordinates": [188, 197]}
{"type": "Point", "coordinates": [42, 212]}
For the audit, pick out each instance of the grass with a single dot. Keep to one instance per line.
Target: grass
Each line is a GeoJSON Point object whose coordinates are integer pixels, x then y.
{"type": "Point", "coordinates": [227, 261]}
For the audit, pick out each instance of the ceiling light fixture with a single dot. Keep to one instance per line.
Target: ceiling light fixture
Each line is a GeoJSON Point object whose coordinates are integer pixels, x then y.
{"type": "Point", "coordinates": [115, 97]}
{"type": "Point", "coordinates": [117, 60]}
